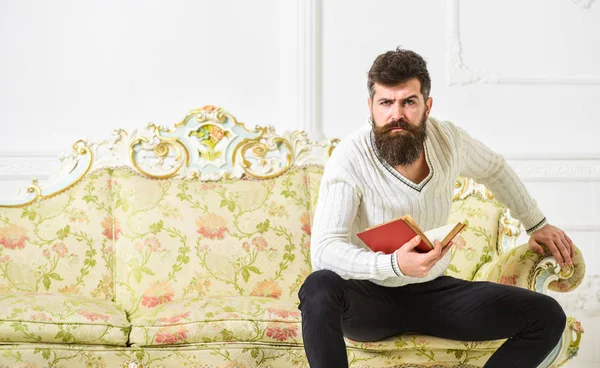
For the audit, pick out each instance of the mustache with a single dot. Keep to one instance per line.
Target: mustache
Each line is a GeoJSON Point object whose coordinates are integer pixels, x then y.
{"type": "Point", "coordinates": [401, 123]}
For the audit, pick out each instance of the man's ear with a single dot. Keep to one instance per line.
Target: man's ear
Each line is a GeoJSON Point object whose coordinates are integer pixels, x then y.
{"type": "Point", "coordinates": [428, 105]}
{"type": "Point", "coordinates": [370, 103]}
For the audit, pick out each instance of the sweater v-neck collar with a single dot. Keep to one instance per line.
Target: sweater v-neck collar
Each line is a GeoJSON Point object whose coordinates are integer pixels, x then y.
{"type": "Point", "coordinates": [389, 168]}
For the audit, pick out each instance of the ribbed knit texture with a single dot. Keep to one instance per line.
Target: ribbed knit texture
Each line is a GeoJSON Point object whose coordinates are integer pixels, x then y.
{"type": "Point", "coordinates": [359, 190]}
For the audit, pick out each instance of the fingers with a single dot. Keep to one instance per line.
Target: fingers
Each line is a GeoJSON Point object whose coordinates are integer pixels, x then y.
{"type": "Point", "coordinates": [412, 244]}
{"type": "Point", "coordinates": [571, 245]}
{"type": "Point", "coordinates": [437, 253]}
{"type": "Point", "coordinates": [433, 254]}
{"type": "Point", "coordinates": [446, 249]}
{"type": "Point", "coordinates": [565, 249]}
{"type": "Point", "coordinates": [555, 248]}
{"type": "Point", "coordinates": [560, 246]}
{"type": "Point", "coordinates": [533, 245]}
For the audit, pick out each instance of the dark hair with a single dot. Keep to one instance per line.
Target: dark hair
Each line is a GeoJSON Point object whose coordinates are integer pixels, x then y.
{"type": "Point", "coordinates": [399, 66]}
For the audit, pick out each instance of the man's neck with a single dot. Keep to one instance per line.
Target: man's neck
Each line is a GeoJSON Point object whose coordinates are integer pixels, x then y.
{"type": "Point", "coordinates": [415, 172]}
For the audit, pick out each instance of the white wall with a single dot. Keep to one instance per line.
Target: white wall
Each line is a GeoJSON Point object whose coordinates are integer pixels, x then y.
{"type": "Point", "coordinates": [522, 76]}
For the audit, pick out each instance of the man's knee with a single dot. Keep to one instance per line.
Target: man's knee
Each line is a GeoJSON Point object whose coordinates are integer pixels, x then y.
{"type": "Point", "coordinates": [556, 317]}
{"type": "Point", "coordinates": [551, 316]}
{"type": "Point", "coordinates": [321, 287]}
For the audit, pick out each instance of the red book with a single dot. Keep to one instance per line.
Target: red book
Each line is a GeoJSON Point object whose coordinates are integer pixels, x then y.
{"type": "Point", "coordinates": [391, 235]}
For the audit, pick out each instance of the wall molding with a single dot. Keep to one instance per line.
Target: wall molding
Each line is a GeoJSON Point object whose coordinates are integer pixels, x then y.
{"type": "Point", "coordinates": [300, 83]}
{"type": "Point", "coordinates": [28, 165]}
{"type": "Point", "coordinates": [309, 45]}
{"type": "Point", "coordinates": [556, 168]}
{"type": "Point", "coordinates": [585, 4]}
{"type": "Point", "coordinates": [571, 167]}
{"type": "Point", "coordinates": [459, 73]}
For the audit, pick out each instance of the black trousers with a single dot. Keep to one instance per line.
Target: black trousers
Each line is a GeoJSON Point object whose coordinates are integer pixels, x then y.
{"type": "Point", "coordinates": [445, 307]}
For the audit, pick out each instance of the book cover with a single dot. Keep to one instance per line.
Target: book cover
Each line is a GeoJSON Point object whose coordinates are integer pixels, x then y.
{"type": "Point", "coordinates": [391, 235]}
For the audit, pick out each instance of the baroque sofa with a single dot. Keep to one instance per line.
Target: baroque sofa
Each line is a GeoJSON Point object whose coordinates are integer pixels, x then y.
{"type": "Point", "coordinates": [186, 246]}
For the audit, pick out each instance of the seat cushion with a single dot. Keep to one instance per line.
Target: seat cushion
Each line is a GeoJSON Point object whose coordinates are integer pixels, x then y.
{"type": "Point", "coordinates": [425, 343]}
{"type": "Point", "coordinates": [260, 320]}
{"type": "Point", "coordinates": [218, 319]}
{"type": "Point", "coordinates": [61, 318]}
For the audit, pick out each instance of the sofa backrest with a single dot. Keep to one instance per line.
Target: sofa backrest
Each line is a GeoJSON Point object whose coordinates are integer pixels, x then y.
{"type": "Point", "coordinates": [63, 243]}
{"type": "Point", "coordinates": [179, 238]}
{"type": "Point", "coordinates": [216, 209]}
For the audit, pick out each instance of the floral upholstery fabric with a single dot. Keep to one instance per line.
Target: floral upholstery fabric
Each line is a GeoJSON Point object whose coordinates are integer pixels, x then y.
{"type": "Point", "coordinates": [203, 274]}
{"type": "Point", "coordinates": [61, 318]}
{"type": "Point", "coordinates": [216, 320]}
{"type": "Point", "coordinates": [231, 355]}
{"type": "Point", "coordinates": [475, 246]}
{"type": "Point", "coordinates": [63, 243]}
{"type": "Point", "coordinates": [183, 238]}
{"type": "Point", "coordinates": [313, 176]}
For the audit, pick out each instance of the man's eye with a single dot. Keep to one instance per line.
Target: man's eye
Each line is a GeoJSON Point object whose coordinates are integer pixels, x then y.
{"type": "Point", "coordinates": [386, 103]}
{"type": "Point", "coordinates": [410, 102]}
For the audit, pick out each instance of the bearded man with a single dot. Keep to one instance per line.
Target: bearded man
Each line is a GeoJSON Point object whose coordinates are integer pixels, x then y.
{"type": "Point", "coordinates": [405, 162]}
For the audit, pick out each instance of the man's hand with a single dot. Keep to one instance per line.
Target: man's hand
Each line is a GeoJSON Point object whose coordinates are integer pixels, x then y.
{"type": "Point", "coordinates": [559, 244]}
{"type": "Point", "coordinates": [415, 264]}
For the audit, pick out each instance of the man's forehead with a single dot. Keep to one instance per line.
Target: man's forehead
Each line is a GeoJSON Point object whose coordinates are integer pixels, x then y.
{"type": "Point", "coordinates": [400, 90]}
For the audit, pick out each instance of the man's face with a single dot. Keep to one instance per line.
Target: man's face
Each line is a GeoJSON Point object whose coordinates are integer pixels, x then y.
{"type": "Point", "coordinates": [399, 115]}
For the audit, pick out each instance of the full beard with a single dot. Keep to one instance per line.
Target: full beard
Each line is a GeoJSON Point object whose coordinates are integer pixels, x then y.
{"type": "Point", "coordinates": [400, 148]}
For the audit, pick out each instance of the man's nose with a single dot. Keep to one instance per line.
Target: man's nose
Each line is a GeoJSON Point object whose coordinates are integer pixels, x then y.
{"type": "Point", "coordinates": [397, 112]}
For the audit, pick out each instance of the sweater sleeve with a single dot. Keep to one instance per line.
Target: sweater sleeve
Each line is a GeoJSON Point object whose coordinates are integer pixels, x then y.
{"type": "Point", "coordinates": [330, 248]}
{"type": "Point", "coordinates": [487, 167]}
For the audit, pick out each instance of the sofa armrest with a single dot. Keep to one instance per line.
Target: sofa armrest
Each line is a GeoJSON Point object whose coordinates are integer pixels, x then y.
{"type": "Point", "coordinates": [571, 340]}
{"type": "Point", "coordinates": [527, 269]}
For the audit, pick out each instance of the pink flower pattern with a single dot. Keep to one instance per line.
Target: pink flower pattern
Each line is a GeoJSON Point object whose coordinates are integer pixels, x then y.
{"type": "Point", "coordinates": [281, 331]}
{"type": "Point", "coordinates": [40, 316]}
{"type": "Point", "coordinates": [13, 236]}
{"type": "Point", "coordinates": [212, 226]}
{"type": "Point", "coordinates": [260, 243]}
{"type": "Point", "coordinates": [157, 294]}
{"type": "Point", "coordinates": [284, 313]}
{"type": "Point", "coordinates": [509, 280]}
{"type": "Point", "coordinates": [170, 335]}
{"type": "Point", "coordinates": [107, 226]}
{"type": "Point", "coordinates": [60, 249]}
{"type": "Point", "coordinates": [305, 220]}
{"type": "Point", "coordinates": [92, 316]}
{"type": "Point", "coordinates": [268, 288]}
{"type": "Point", "coordinates": [175, 319]}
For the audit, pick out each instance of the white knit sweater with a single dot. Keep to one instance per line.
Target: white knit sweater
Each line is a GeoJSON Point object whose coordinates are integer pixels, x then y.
{"type": "Point", "coordinates": [359, 190]}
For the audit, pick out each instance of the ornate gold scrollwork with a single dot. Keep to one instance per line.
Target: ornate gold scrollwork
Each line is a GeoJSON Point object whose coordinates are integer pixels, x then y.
{"type": "Point", "coordinates": [461, 187]}
{"type": "Point", "coordinates": [334, 143]}
{"type": "Point", "coordinates": [260, 150]}
{"type": "Point", "coordinates": [204, 113]}
{"type": "Point", "coordinates": [509, 230]}
{"type": "Point", "coordinates": [162, 151]}
{"type": "Point", "coordinates": [553, 272]}
{"type": "Point", "coordinates": [35, 188]}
